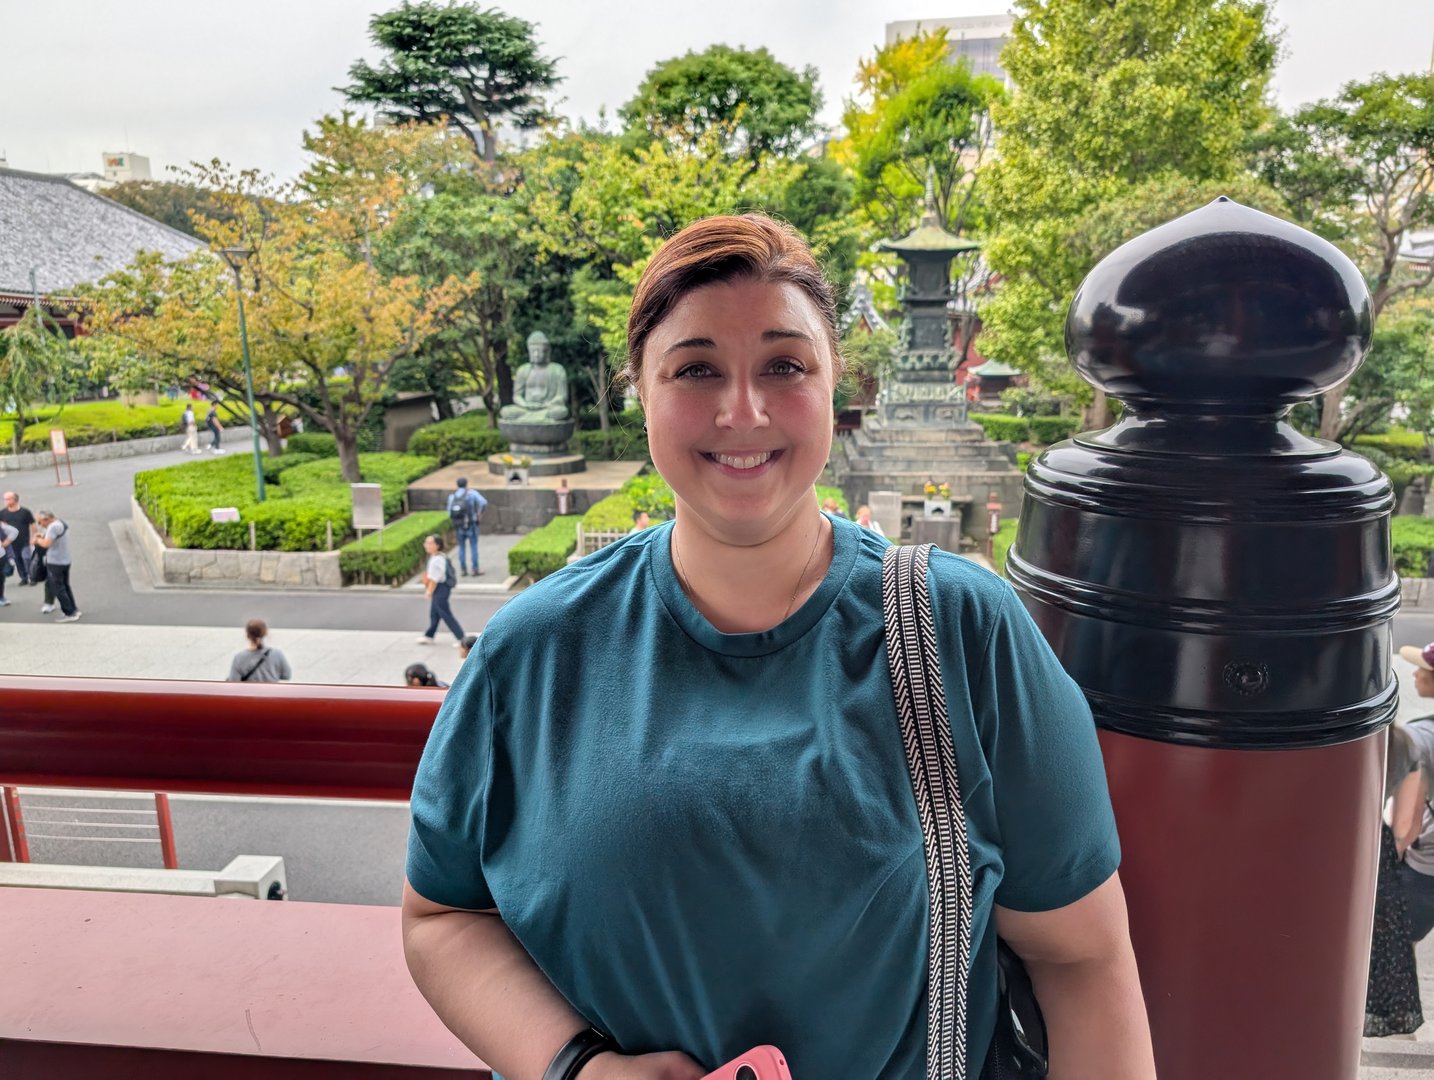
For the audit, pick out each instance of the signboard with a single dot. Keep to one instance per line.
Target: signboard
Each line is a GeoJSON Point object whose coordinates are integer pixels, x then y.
{"type": "Point", "coordinates": [59, 448]}
{"type": "Point", "coordinates": [224, 513]}
{"type": "Point", "coordinates": [368, 506]}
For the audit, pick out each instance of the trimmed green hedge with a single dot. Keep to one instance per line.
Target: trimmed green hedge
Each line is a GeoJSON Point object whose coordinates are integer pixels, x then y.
{"type": "Point", "coordinates": [86, 423]}
{"type": "Point", "coordinates": [1412, 538]}
{"type": "Point", "coordinates": [623, 442]}
{"type": "Point", "coordinates": [274, 467]}
{"type": "Point", "coordinates": [1398, 443]}
{"type": "Point", "coordinates": [612, 514]}
{"type": "Point", "coordinates": [1052, 429]}
{"type": "Point", "coordinates": [1002, 427]}
{"type": "Point", "coordinates": [392, 554]}
{"type": "Point", "coordinates": [464, 438]}
{"type": "Point", "coordinates": [1023, 459]}
{"type": "Point", "coordinates": [545, 550]}
{"type": "Point", "coordinates": [312, 443]}
{"type": "Point", "coordinates": [300, 507]}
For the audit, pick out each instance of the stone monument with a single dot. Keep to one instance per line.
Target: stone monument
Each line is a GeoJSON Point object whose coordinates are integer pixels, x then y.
{"type": "Point", "coordinates": [538, 423]}
{"type": "Point", "coordinates": [920, 431]}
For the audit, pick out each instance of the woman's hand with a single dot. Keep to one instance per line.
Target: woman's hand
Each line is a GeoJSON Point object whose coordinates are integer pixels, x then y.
{"type": "Point", "coordinates": [670, 1065]}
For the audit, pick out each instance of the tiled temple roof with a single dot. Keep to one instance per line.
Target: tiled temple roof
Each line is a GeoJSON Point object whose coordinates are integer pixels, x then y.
{"type": "Point", "coordinates": [68, 236]}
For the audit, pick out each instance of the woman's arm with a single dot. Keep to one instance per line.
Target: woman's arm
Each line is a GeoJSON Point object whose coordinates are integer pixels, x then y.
{"type": "Point", "coordinates": [485, 987]}
{"type": "Point", "coordinates": [1407, 817]}
{"type": "Point", "coordinates": [1083, 970]}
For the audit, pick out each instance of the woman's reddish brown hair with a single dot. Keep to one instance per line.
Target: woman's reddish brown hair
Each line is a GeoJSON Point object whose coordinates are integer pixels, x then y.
{"type": "Point", "coordinates": [747, 246]}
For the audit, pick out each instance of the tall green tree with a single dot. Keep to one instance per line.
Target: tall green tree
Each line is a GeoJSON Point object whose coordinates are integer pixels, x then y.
{"type": "Point", "coordinates": [458, 63]}
{"type": "Point", "coordinates": [35, 364]}
{"type": "Point", "coordinates": [1108, 97]}
{"type": "Point", "coordinates": [918, 116]}
{"type": "Point", "coordinates": [174, 204]}
{"type": "Point", "coordinates": [759, 104]}
{"type": "Point", "coordinates": [1359, 169]}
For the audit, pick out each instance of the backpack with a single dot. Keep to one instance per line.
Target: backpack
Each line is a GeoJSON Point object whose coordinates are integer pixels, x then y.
{"type": "Point", "coordinates": [450, 575]}
{"type": "Point", "coordinates": [460, 510]}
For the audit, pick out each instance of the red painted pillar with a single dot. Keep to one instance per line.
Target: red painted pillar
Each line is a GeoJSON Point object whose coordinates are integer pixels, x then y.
{"type": "Point", "coordinates": [1220, 586]}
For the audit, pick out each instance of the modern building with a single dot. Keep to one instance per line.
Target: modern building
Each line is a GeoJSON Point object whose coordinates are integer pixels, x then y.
{"type": "Point", "coordinates": [55, 235]}
{"type": "Point", "coordinates": [122, 165]}
{"type": "Point", "coordinates": [977, 39]}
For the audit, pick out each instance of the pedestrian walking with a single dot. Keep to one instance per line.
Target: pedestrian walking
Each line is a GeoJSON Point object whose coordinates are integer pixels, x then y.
{"type": "Point", "coordinates": [191, 430]}
{"type": "Point", "coordinates": [465, 510]}
{"type": "Point", "coordinates": [258, 662]}
{"type": "Point", "coordinates": [1411, 805]}
{"type": "Point", "coordinates": [54, 540]}
{"type": "Point", "coordinates": [439, 577]}
{"type": "Point", "coordinates": [214, 427]}
{"type": "Point", "coordinates": [24, 523]}
{"type": "Point", "coordinates": [8, 536]}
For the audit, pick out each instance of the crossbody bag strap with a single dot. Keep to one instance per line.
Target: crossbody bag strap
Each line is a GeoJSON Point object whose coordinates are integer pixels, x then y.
{"type": "Point", "coordinates": [257, 665]}
{"type": "Point", "coordinates": [915, 664]}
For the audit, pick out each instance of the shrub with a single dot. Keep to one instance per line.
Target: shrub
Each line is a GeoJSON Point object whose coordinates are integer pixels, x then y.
{"type": "Point", "coordinates": [89, 422]}
{"type": "Point", "coordinates": [612, 514]}
{"type": "Point", "coordinates": [1412, 539]}
{"type": "Point", "coordinates": [1023, 459]}
{"type": "Point", "coordinates": [464, 438]}
{"type": "Point", "coordinates": [1003, 428]}
{"type": "Point", "coordinates": [1396, 442]}
{"type": "Point", "coordinates": [309, 499]}
{"type": "Point", "coordinates": [314, 443]}
{"type": "Point", "coordinates": [1401, 472]}
{"type": "Point", "coordinates": [622, 443]}
{"type": "Point", "coordinates": [545, 550]}
{"type": "Point", "coordinates": [1052, 429]}
{"type": "Point", "coordinates": [274, 467]}
{"type": "Point", "coordinates": [392, 554]}
{"type": "Point", "coordinates": [650, 492]}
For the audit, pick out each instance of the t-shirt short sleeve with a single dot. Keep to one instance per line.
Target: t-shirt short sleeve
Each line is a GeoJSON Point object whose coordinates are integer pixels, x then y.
{"type": "Point", "coordinates": [437, 568]}
{"type": "Point", "coordinates": [1420, 734]}
{"type": "Point", "coordinates": [450, 792]}
{"type": "Point", "coordinates": [1058, 837]}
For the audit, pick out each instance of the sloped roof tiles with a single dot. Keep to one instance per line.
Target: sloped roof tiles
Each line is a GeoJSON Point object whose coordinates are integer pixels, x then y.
{"type": "Point", "coordinates": [68, 236]}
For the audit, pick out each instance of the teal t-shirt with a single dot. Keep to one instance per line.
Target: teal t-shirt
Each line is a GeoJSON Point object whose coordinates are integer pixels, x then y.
{"type": "Point", "coordinates": [708, 841]}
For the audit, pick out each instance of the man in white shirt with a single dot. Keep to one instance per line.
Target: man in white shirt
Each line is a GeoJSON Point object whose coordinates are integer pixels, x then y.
{"type": "Point", "coordinates": [439, 578]}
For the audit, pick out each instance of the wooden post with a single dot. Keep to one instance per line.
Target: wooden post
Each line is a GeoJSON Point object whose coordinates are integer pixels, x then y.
{"type": "Point", "coordinates": [253, 542]}
{"type": "Point", "coordinates": [329, 532]}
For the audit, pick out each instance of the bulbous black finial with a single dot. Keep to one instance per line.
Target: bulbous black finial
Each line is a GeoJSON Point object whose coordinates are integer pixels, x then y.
{"type": "Point", "coordinates": [1226, 310]}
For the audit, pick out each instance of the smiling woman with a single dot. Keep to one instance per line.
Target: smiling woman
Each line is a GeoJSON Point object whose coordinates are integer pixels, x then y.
{"type": "Point", "coordinates": [665, 815]}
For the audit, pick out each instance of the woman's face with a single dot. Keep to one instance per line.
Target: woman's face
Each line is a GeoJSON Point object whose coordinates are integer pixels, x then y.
{"type": "Point", "coordinates": [1423, 682]}
{"type": "Point", "coordinates": [737, 388]}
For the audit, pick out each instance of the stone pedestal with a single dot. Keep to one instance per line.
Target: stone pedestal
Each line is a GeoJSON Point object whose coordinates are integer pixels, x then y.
{"type": "Point", "coordinates": [546, 440]}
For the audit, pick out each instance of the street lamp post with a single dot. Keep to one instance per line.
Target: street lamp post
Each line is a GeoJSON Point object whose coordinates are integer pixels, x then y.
{"type": "Point", "coordinates": [236, 257]}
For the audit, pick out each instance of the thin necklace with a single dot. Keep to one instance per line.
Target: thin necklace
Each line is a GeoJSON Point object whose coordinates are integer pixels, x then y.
{"type": "Point", "coordinates": [687, 582]}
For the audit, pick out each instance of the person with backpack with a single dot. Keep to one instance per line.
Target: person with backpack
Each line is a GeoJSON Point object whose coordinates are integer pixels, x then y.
{"type": "Point", "coordinates": [439, 577]}
{"type": "Point", "coordinates": [258, 662]}
{"type": "Point", "coordinates": [465, 510]}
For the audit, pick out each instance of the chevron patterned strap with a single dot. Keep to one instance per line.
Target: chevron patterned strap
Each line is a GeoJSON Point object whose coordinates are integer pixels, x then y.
{"type": "Point", "coordinates": [931, 758]}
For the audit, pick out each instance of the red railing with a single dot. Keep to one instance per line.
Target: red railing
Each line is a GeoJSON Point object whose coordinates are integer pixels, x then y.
{"type": "Point", "coordinates": [165, 986]}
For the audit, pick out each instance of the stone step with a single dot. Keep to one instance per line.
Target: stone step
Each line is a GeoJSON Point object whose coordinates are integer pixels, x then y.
{"type": "Point", "coordinates": [873, 432]}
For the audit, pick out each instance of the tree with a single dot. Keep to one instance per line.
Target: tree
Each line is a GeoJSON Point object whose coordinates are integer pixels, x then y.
{"type": "Point", "coordinates": [1109, 97]}
{"type": "Point", "coordinates": [456, 64]}
{"type": "Point", "coordinates": [918, 116]}
{"type": "Point", "coordinates": [327, 324]}
{"type": "Point", "coordinates": [1359, 169]}
{"type": "Point", "coordinates": [174, 204]}
{"type": "Point", "coordinates": [760, 105]}
{"type": "Point", "coordinates": [1399, 372]}
{"type": "Point", "coordinates": [34, 361]}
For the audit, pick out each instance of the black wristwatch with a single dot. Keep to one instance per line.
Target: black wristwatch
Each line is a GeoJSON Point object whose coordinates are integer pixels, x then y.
{"type": "Point", "coordinates": [577, 1052]}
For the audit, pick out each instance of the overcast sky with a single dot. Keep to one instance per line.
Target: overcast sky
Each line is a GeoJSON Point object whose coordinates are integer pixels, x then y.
{"type": "Point", "coordinates": [184, 80]}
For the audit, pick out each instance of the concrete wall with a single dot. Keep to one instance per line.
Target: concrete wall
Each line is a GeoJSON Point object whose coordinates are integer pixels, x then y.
{"type": "Point", "coordinates": [235, 440]}
{"type": "Point", "coordinates": [512, 509]}
{"type": "Point", "coordinates": [192, 566]}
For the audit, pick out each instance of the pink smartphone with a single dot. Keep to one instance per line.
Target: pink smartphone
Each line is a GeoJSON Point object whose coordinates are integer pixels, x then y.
{"type": "Point", "coordinates": [758, 1063]}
